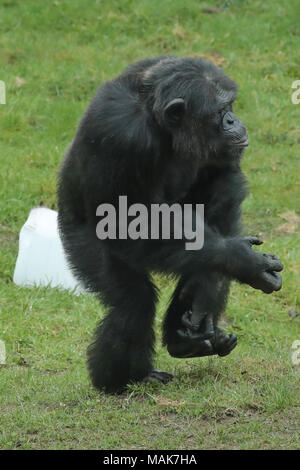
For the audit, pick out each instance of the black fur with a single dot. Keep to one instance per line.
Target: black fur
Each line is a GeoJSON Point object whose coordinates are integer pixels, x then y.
{"type": "Point", "coordinates": [135, 140]}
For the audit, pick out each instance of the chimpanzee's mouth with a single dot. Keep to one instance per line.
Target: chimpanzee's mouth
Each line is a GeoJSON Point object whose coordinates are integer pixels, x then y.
{"type": "Point", "coordinates": [243, 143]}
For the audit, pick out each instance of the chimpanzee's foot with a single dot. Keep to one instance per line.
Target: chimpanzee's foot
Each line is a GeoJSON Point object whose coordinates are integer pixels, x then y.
{"type": "Point", "coordinates": [189, 343]}
{"type": "Point", "coordinates": [158, 376]}
{"type": "Point", "coordinates": [201, 323]}
{"type": "Point", "coordinates": [205, 342]}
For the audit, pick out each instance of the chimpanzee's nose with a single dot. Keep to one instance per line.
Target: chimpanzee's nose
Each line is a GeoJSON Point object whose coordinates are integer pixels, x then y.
{"type": "Point", "coordinates": [229, 120]}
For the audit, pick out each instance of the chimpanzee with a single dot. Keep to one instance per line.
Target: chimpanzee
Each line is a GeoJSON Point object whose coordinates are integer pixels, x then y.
{"type": "Point", "coordinates": [163, 131]}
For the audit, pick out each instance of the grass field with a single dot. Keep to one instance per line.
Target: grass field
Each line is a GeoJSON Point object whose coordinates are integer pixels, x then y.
{"type": "Point", "coordinates": [53, 56]}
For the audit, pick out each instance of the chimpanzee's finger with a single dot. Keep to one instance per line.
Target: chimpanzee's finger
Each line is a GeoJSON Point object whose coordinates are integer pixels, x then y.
{"type": "Point", "coordinates": [271, 281]}
{"type": "Point", "coordinates": [274, 263]}
{"type": "Point", "coordinates": [254, 240]}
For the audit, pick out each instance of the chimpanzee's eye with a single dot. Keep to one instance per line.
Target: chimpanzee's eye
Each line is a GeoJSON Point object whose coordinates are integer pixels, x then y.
{"type": "Point", "coordinates": [226, 109]}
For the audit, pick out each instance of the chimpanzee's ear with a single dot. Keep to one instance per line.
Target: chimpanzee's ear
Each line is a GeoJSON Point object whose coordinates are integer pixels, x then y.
{"type": "Point", "coordinates": [174, 112]}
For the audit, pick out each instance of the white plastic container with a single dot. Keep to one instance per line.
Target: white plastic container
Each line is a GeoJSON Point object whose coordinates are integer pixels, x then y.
{"type": "Point", "coordinates": [41, 260]}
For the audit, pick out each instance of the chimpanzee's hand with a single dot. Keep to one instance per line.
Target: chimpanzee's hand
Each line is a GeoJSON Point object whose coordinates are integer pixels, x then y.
{"type": "Point", "coordinates": [258, 270]}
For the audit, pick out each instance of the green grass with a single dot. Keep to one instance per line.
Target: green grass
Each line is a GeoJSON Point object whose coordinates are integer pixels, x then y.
{"type": "Point", "coordinates": [63, 50]}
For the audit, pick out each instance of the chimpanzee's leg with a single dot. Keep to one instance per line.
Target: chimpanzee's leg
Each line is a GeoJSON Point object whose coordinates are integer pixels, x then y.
{"type": "Point", "coordinates": [123, 344]}
{"type": "Point", "coordinates": [190, 327]}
